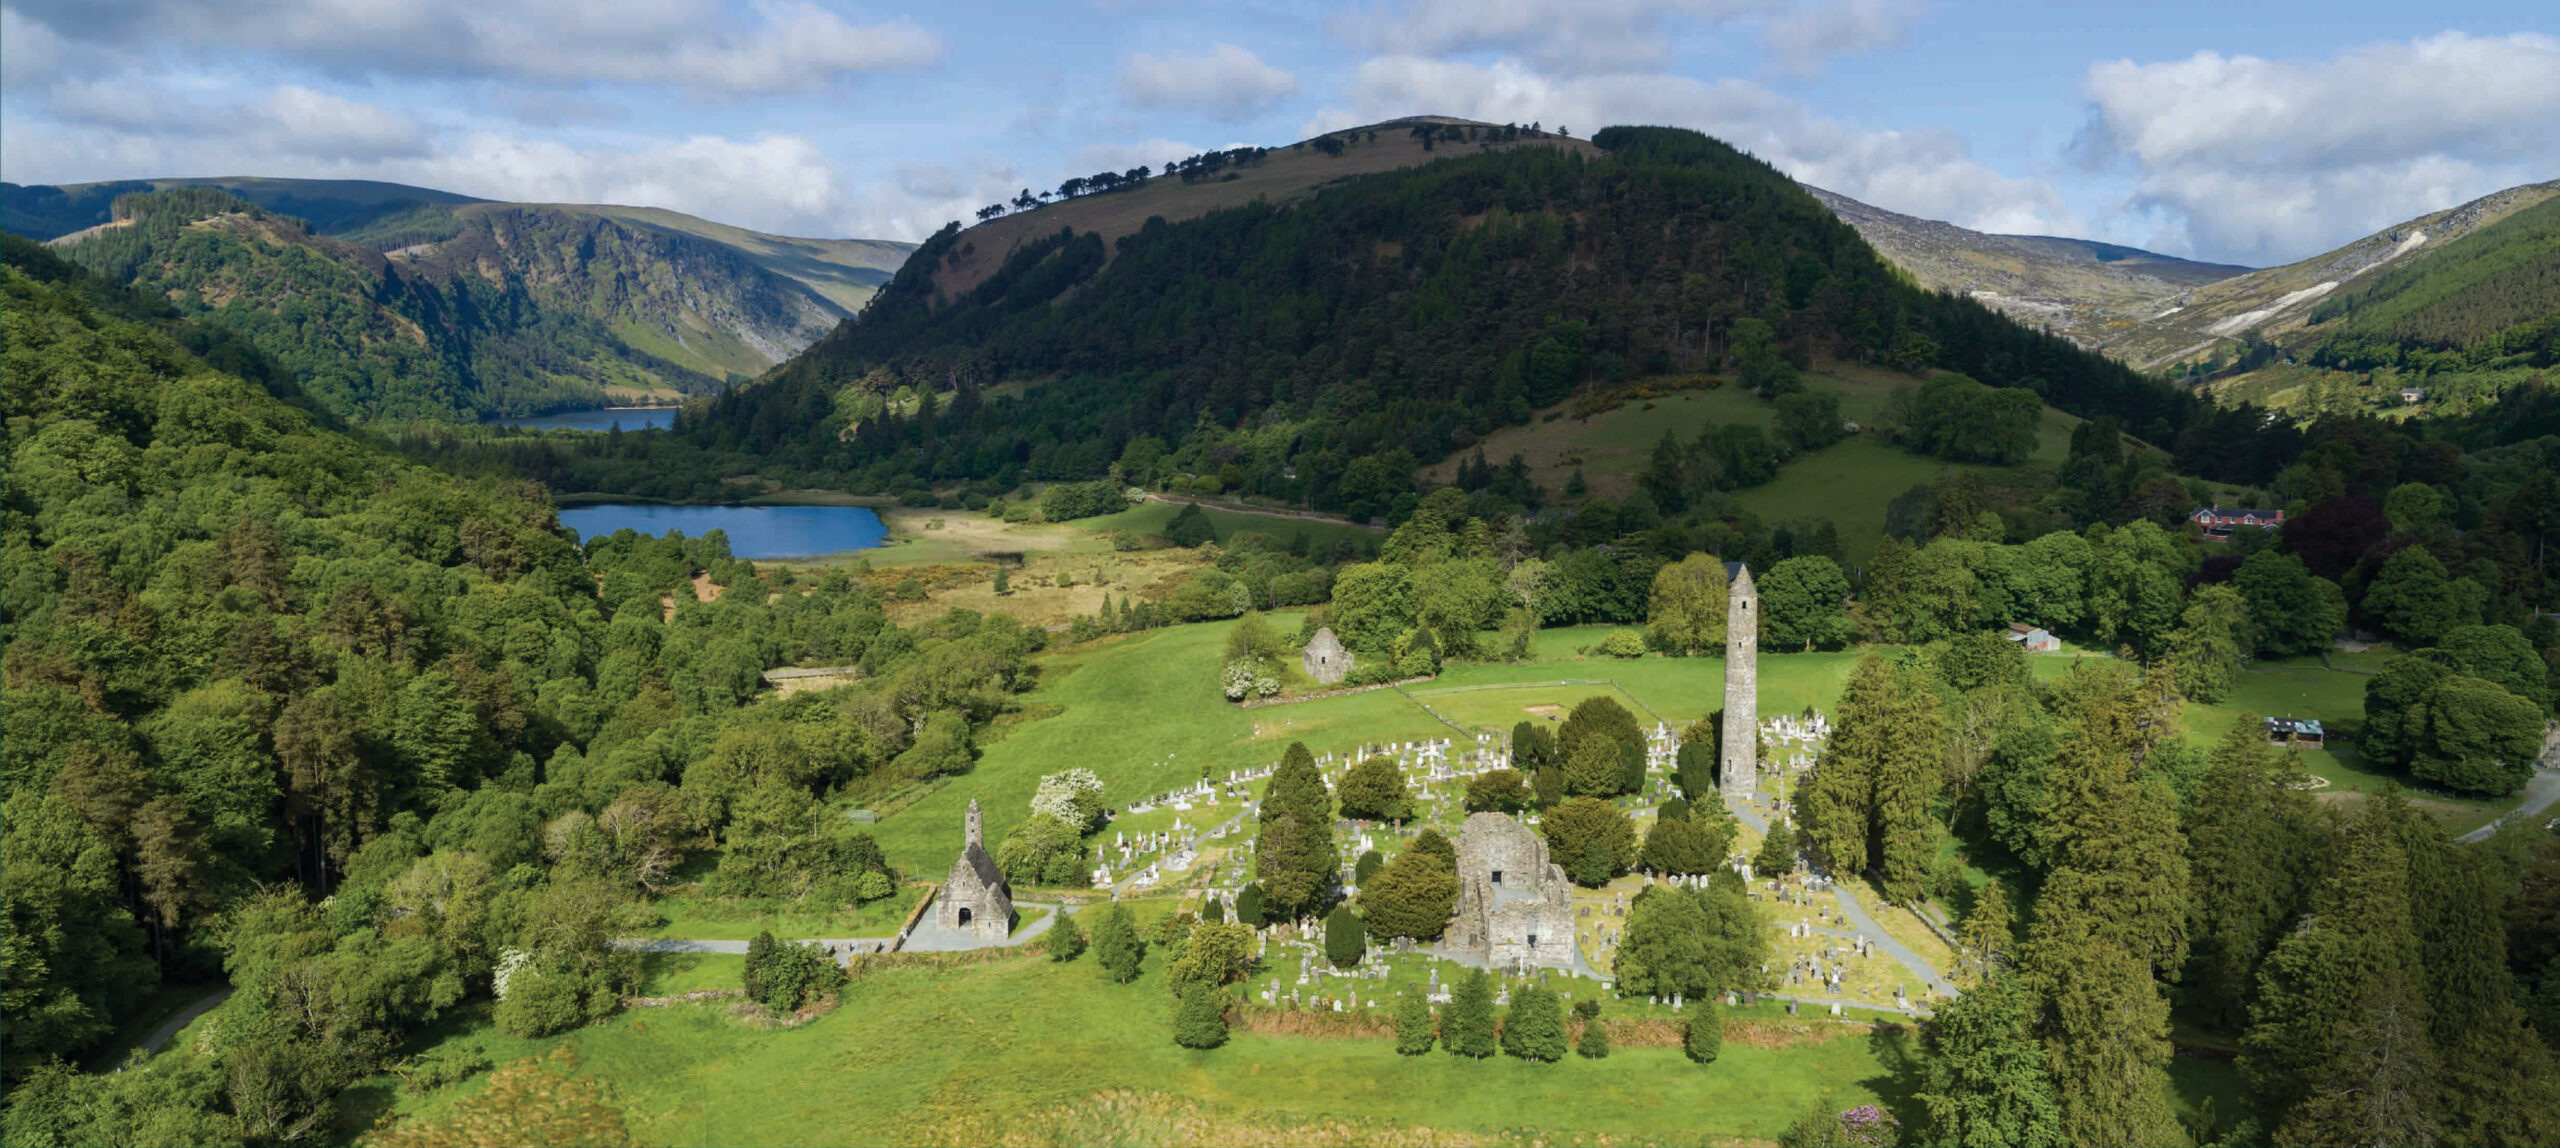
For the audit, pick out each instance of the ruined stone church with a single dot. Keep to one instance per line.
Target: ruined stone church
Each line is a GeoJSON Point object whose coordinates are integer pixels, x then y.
{"type": "Point", "coordinates": [976, 900]}
{"type": "Point", "coordinates": [1513, 907]}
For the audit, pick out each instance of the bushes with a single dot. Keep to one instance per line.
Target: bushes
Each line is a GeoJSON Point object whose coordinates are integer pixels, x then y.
{"type": "Point", "coordinates": [1065, 941]}
{"type": "Point", "coordinates": [539, 1003]}
{"type": "Point", "coordinates": [1200, 1016]}
{"type": "Point", "coordinates": [1703, 1039]}
{"type": "Point", "coordinates": [1070, 500]}
{"type": "Point", "coordinates": [1345, 938]}
{"type": "Point", "coordinates": [1534, 1030]}
{"type": "Point", "coordinates": [783, 976]}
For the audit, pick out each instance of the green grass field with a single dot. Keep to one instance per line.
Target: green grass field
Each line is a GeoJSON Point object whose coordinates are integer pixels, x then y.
{"type": "Point", "coordinates": [1152, 517]}
{"type": "Point", "coordinates": [976, 1053]}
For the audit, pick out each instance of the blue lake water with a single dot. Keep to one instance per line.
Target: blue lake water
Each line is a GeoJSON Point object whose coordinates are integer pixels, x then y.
{"type": "Point", "coordinates": [628, 418]}
{"type": "Point", "coordinates": [760, 532]}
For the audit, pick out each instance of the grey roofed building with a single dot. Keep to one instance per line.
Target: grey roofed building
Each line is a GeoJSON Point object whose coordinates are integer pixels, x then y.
{"type": "Point", "coordinates": [1325, 660]}
{"type": "Point", "coordinates": [976, 899]}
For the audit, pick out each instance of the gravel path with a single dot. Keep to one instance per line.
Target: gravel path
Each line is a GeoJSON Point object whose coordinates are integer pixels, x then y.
{"type": "Point", "coordinates": [2539, 793]}
{"type": "Point", "coordinates": [1866, 923]}
{"type": "Point", "coordinates": [170, 1028]}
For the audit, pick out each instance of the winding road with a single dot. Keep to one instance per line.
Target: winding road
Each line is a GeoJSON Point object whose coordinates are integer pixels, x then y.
{"type": "Point", "coordinates": [1857, 915]}
{"type": "Point", "coordinates": [2539, 793]}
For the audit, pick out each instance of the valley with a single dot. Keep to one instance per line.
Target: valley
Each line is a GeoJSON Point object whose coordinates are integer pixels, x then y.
{"type": "Point", "coordinates": [1440, 632]}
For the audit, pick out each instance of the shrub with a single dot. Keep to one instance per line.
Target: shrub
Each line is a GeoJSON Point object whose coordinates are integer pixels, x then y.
{"type": "Point", "coordinates": [1414, 1031]}
{"type": "Point", "coordinates": [1534, 1030]}
{"type": "Point", "coordinates": [1200, 1016]}
{"type": "Point", "coordinates": [1065, 941]}
{"type": "Point", "coordinates": [1345, 938]}
{"type": "Point", "coordinates": [1703, 1037]}
{"type": "Point", "coordinates": [1623, 644]}
{"type": "Point", "coordinates": [539, 1003]}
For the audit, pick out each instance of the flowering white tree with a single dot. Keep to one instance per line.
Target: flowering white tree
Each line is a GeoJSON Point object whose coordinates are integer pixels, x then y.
{"type": "Point", "coordinates": [1074, 797]}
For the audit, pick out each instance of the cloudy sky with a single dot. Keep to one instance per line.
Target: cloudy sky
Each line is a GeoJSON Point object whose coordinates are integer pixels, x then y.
{"type": "Point", "coordinates": [2251, 132]}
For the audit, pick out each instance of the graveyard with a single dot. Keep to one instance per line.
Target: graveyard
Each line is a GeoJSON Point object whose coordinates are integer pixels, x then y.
{"type": "Point", "coordinates": [1182, 771]}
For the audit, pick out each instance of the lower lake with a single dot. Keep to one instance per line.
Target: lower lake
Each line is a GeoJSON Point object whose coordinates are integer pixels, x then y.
{"type": "Point", "coordinates": [628, 418]}
{"type": "Point", "coordinates": [758, 532]}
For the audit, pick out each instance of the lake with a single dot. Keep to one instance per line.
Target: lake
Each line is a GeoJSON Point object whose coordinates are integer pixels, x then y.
{"type": "Point", "coordinates": [629, 418]}
{"type": "Point", "coordinates": [758, 532]}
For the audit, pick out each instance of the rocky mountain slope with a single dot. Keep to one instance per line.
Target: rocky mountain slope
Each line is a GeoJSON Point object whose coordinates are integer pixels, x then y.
{"type": "Point", "coordinates": [541, 306]}
{"type": "Point", "coordinates": [2073, 287]}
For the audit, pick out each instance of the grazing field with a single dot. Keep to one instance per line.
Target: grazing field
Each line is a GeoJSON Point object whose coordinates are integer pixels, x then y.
{"type": "Point", "coordinates": [694, 918]}
{"type": "Point", "coordinates": [1026, 1048]}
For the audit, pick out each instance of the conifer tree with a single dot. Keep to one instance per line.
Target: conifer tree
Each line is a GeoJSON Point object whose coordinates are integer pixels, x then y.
{"type": "Point", "coordinates": [1065, 941]}
{"type": "Point", "coordinates": [1200, 1016]}
{"type": "Point", "coordinates": [1534, 1029]}
{"type": "Point", "coordinates": [1701, 744]}
{"type": "Point", "coordinates": [1117, 947]}
{"type": "Point", "coordinates": [2122, 876]}
{"type": "Point", "coordinates": [2496, 1083]}
{"type": "Point", "coordinates": [1212, 911]}
{"type": "Point", "coordinates": [1412, 897]}
{"type": "Point", "coordinates": [1466, 1026]}
{"type": "Point", "coordinates": [1702, 1038]}
{"type": "Point", "coordinates": [1250, 906]}
{"type": "Point", "coordinates": [759, 961]}
{"type": "Point", "coordinates": [1988, 934]}
{"type": "Point", "coordinates": [2106, 1039]}
{"type": "Point", "coordinates": [2339, 1046]}
{"type": "Point", "coordinates": [1987, 1086]}
{"type": "Point", "coordinates": [1593, 1044]}
{"type": "Point", "coordinates": [1868, 802]}
{"type": "Point", "coordinates": [1295, 859]}
{"type": "Point", "coordinates": [1777, 850]}
{"type": "Point", "coordinates": [1414, 1032]}
{"type": "Point", "coordinates": [2253, 845]}
{"type": "Point", "coordinates": [1345, 939]}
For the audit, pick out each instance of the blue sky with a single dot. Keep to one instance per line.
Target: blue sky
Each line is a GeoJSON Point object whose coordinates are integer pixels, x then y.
{"type": "Point", "coordinates": [2247, 132]}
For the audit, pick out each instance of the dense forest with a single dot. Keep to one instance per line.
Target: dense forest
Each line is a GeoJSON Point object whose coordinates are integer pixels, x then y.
{"type": "Point", "coordinates": [2489, 300]}
{"type": "Point", "coordinates": [1390, 320]}
{"type": "Point", "coordinates": [285, 710]}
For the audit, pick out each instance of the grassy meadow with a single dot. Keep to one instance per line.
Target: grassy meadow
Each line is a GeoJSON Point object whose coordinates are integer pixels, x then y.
{"type": "Point", "coordinates": [1025, 1050]}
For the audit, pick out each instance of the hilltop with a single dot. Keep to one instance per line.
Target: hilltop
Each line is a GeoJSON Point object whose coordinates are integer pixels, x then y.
{"type": "Point", "coordinates": [2070, 286]}
{"type": "Point", "coordinates": [444, 306]}
{"type": "Point", "coordinates": [1395, 316]}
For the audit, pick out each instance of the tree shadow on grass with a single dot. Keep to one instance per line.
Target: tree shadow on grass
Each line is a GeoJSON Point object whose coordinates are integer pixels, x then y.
{"type": "Point", "coordinates": [1897, 1047]}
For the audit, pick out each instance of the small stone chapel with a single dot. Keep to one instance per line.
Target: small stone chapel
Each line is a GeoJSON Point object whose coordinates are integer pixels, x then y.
{"type": "Point", "coordinates": [1325, 659]}
{"type": "Point", "coordinates": [976, 900]}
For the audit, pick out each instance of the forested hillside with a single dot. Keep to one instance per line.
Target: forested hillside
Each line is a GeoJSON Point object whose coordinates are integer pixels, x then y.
{"type": "Point", "coordinates": [1388, 321]}
{"type": "Point", "coordinates": [286, 711]}
{"type": "Point", "coordinates": [2488, 300]}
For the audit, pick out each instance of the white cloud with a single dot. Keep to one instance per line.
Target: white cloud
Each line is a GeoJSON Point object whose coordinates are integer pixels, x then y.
{"type": "Point", "coordinates": [1600, 36]}
{"type": "Point", "coordinates": [1929, 174]}
{"type": "Point", "coordinates": [788, 45]}
{"type": "Point", "coordinates": [288, 120]}
{"type": "Point", "coordinates": [1226, 81]}
{"type": "Point", "coordinates": [2271, 160]}
{"type": "Point", "coordinates": [1121, 157]}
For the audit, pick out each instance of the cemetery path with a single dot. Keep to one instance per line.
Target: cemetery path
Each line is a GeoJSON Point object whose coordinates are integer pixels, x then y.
{"type": "Point", "coordinates": [2539, 793]}
{"type": "Point", "coordinates": [1857, 914]}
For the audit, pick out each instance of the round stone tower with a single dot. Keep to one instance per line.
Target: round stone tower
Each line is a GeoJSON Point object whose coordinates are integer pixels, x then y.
{"type": "Point", "coordinates": [1740, 756]}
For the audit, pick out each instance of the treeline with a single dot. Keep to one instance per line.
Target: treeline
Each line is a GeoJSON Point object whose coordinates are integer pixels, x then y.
{"type": "Point", "coordinates": [1395, 319]}
{"type": "Point", "coordinates": [2384, 984]}
{"type": "Point", "coordinates": [370, 743]}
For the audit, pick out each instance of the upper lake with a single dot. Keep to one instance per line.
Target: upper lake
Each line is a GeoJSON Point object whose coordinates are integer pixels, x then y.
{"type": "Point", "coordinates": [628, 418]}
{"type": "Point", "coordinates": [758, 532]}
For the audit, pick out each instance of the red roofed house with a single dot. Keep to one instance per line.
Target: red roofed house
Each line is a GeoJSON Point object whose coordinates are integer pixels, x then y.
{"type": "Point", "coordinates": [2221, 519]}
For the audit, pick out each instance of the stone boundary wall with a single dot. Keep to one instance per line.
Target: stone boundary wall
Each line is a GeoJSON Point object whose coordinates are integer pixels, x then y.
{"type": "Point", "coordinates": [1258, 703]}
{"type": "Point", "coordinates": [682, 998]}
{"type": "Point", "coordinates": [923, 903]}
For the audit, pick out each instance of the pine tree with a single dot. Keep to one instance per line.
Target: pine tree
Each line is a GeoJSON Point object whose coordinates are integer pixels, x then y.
{"type": "Point", "coordinates": [1777, 850]}
{"type": "Point", "coordinates": [1594, 1042]}
{"type": "Point", "coordinates": [1868, 802]}
{"type": "Point", "coordinates": [1466, 1026]}
{"type": "Point", "coordinates": [1988, 934]}
{"type": "Point", "coordinates": [1345, 940]}
{"type": "Point", "coordinates": [1414, 1031]}
{"type": "Point", "coordinates": [1295, 860]}
{"type": "Point", "coordinates": [2106, 1039]}
{"type": "Point", "coordinates": [2253, 846]}
{"type": "Point", "coordinates": [2338, 1046]}
{"type": "Point", "coordinates": [1987, 1086]}
{"type": "Point", "coordinates": [2497, 1083]}
{"type": "Point", "coordinates": [1702, 1039]}
{"type": "Point", "coordinates": [1065, 941]}
{"type": "Point", "coordinates": [759, 962]}
{"type": "Point", "coordinates": [1534, 1028]}
{"type": "Point", "coordinates": [1200, 1016]}
{"type": "Point", "coordinates": [2122, 876]}
{"type": "Point", "coordinates": [1117, 947]}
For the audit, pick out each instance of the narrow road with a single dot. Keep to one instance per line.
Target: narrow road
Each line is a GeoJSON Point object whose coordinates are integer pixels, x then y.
{"type": "Point", "coordinates": [170, 1028]}
{"type": "Point", "coordinates": [855, 946]}
{"type": "Point", "coordinates": [1857, 914]}
{"type": "Point", "coordinates": [2539, 793]}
